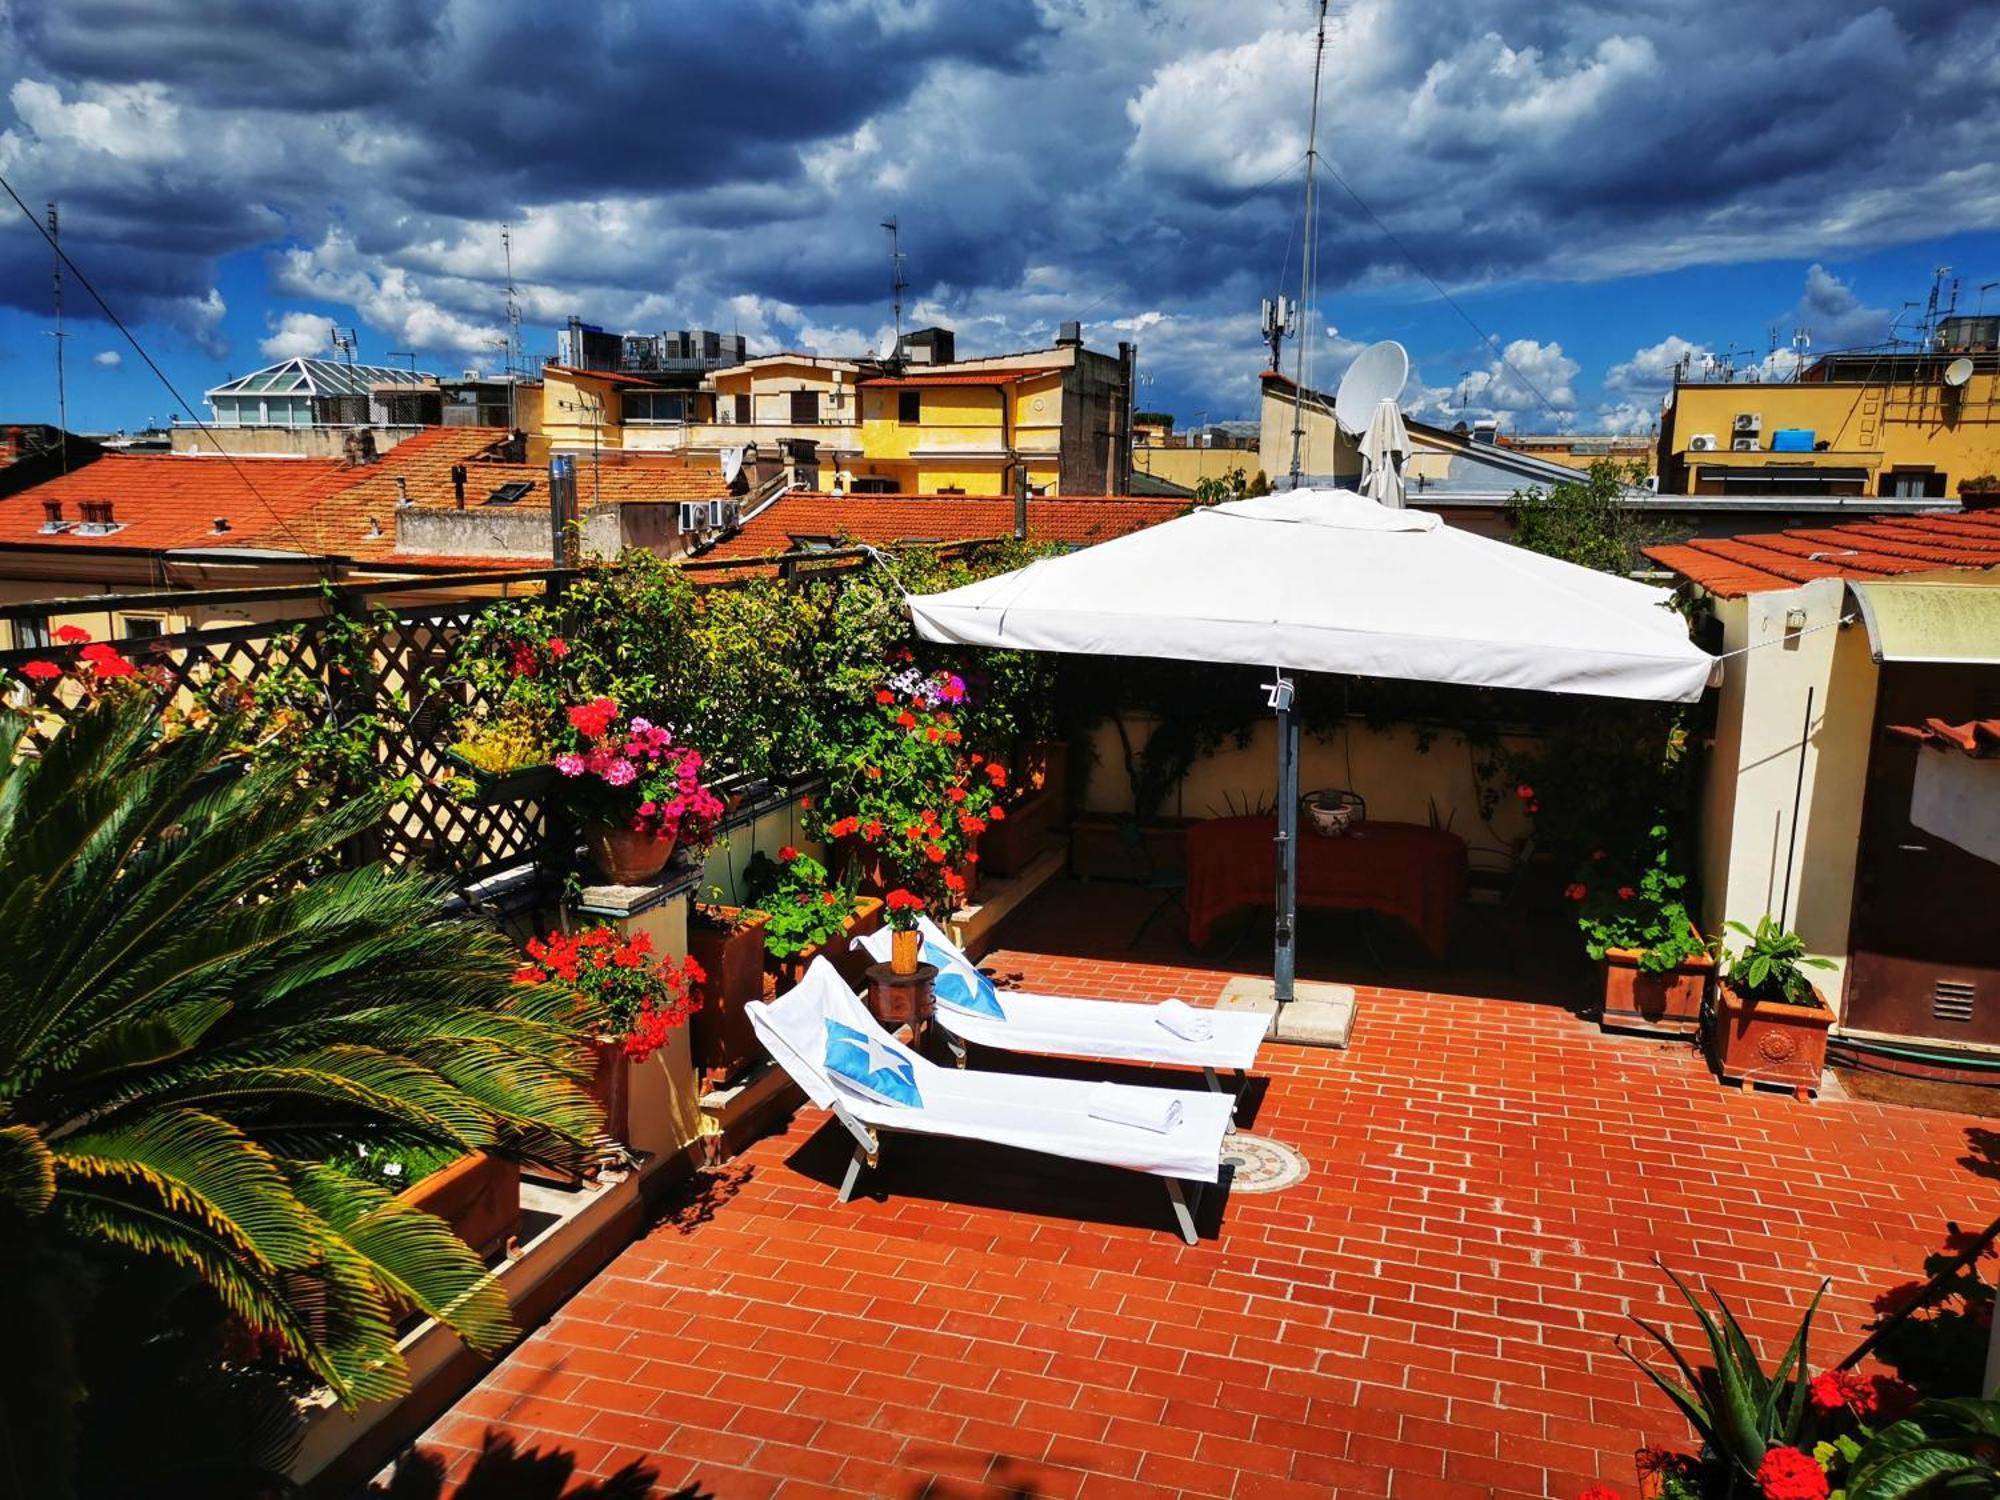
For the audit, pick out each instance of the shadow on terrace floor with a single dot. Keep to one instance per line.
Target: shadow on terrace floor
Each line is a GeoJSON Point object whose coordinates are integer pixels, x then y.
{"type": "Point", "coordinates": [1489, 957]}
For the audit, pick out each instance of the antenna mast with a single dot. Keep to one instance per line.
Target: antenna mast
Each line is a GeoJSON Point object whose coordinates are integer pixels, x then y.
{"type": "Point", "coordinates": [897, 285]}
{"type": "Point", "coordinates": [1305, 264]}
{"type": "Point", "coordinates": [513, 304]}
{"type": "Point", "coordinates": [62, 391]}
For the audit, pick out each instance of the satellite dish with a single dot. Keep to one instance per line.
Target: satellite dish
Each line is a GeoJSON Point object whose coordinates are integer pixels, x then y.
{"type": "Point", "coordinates": [1377, 375]}
{"type": "Point", "coordinates": [888, 346]}
{"type": "Point", "coordinates": [1958, 371]}
{"type": "Point", "coordinates": [732, 464]}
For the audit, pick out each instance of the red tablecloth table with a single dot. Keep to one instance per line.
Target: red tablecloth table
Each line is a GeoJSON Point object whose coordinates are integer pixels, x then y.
{"type": "Point", "coordinates": [1402, 870]}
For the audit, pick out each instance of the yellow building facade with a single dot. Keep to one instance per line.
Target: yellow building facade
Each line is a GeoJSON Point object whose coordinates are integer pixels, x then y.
{"type": "Point", "coordinates": [965, 433]}
{"type": "Point", "coordinates": [1906, 425]}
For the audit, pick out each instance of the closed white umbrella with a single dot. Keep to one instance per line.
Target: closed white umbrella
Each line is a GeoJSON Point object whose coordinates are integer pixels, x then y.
{"type": "Point", "coordinates": [1383, 448]}
{"type": "Point", "coordinates": [1330, 581]}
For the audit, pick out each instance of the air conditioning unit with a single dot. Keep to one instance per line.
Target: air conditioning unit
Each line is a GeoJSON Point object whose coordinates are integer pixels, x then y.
{"type": "Point", "coordinates": [694, 515]}
{"type": "Point", "coordinates": [1702, 442]}
{"type": "Point", "coordinates": [1749, 421]}
{"type": "Point", "coordinates": [723, 513]}
{"type": "Point", "coordinates": [1743, 445]}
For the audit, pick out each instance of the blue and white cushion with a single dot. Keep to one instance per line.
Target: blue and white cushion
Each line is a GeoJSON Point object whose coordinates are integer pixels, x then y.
{"type": "Point", "coordinates": [872, 1066]}
{"type": "Point", "coordinates": [962, 987]}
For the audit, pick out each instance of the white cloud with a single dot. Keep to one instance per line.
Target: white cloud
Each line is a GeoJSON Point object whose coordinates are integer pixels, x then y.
{"type": "Point", "coordinates": [110, 359]}
{"type": "Point", "coordinates": [298, 335]}
{"type": "Point", "coordinates": [1652, 368]}
{"type": "Point", "coordinates": [136, 122]}
{"type": "Point", "coordinates": [391, 300]}
{"type": "Point", "coordinates": [1529, 385]}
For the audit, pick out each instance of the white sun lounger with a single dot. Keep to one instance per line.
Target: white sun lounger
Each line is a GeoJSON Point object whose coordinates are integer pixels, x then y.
{"type": "Point", "coordinates": [1047, 1115]}
{"type": "Point", "coordinates": [1064, 1026]}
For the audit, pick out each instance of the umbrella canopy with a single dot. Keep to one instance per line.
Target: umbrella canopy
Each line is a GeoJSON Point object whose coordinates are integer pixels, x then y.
{"type": "Point", "coordinates": [1384, 446]}
{"type": "Point", "coordinates": [1329, 581]}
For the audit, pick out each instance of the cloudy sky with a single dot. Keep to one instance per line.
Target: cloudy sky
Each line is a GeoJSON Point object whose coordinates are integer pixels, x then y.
{"type": "Point", "coordinates": [1597, 187]}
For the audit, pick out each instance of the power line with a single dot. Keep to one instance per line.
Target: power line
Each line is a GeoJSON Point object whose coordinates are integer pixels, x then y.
{"type": "Point", "coordinates": [1451, 301]}
{"type": "Point", "coordinates": [138, 348]}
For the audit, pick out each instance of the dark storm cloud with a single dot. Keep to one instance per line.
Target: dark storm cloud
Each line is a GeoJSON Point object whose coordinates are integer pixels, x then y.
{"type": "Point", "coordinates": [680, 162]}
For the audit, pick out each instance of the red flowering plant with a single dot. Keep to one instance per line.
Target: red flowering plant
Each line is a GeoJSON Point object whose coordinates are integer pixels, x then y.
{"type": "Point", "coordinates": [1636, 905]}
{"type": "Point", "coordinates": [88, 673]}
{"type": "Point", "coordinates": [806, 907]}
{"type": "Point", "coordinates": [629, 772]}
{"type": "Point", "coordinates": [904, 907]}
{"type": "Point", "coordinates": [521, 676]}
{"type": "Point", "coordinates": [620, 987]}
{"type": "Point", "coordinates": [912, 790]}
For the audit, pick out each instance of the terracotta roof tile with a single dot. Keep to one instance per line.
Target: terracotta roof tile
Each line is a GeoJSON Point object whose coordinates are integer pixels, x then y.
{"type": "Point", "coordinates": [1979, 738]}
{"type": "Point", "coordinates": [165, 500]}
{"type": "Point", "coordinates": [1881, 547]}
{"type": "Point", "coordinates": [884, 520]}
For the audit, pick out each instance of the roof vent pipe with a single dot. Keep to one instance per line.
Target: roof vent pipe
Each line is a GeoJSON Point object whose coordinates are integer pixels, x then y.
{"type": "Point", "coordinates": [403, 492]}
{"type": "Point", "coordinates": [458, 485]}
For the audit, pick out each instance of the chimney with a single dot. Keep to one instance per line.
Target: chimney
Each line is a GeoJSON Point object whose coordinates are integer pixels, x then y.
{"type": "Point", "coordinates": [221, 525]}
{"type": "Point", "coordinates": [52, 516]}
{"type": "Point", "coordinates": [357, 447]}
{"type": "Point", "coordinates": [1070, 334]}
{"type": "Point", "coordinates": [97, 518]}
{"type": "Point", "coordinates": [402, 492]}
{"type": "Point", "coordinates": [458, 485]}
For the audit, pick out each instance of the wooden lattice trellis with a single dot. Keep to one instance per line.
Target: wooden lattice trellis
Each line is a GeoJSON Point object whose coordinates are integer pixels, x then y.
{"type": "Point", "coordinates": [410, 683]}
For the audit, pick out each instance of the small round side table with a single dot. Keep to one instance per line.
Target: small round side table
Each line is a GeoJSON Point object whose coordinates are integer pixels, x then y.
{"type": "Point", "coordinates": [904, 999]}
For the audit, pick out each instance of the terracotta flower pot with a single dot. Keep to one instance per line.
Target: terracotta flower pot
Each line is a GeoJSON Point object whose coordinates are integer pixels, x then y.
{"type": "Point", "coordinates": [625, 855]}
{"type": "Point", "coordinates": [478, 1195]}
{"type": "Point", "coordinates": [1751, 1042]}
{"type": "Point", "coordinates": [1654, 1004]}
{"type": "Point", "coordinates": [905, 947]}
{"type": "Point", "coordinates": [730, 950]}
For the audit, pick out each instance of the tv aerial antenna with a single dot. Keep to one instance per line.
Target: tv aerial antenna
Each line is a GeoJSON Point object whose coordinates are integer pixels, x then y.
{"type": "Point", "coordinates": [1305, 262]}
{"type": "Point", "coordinates": [345, 341]}
{"type": "Point", "coordinates": [57, 333]}
{"type": "Point", "coordinates": [898, 283]}
{"type": "Point", "coordinates": [513, 303]}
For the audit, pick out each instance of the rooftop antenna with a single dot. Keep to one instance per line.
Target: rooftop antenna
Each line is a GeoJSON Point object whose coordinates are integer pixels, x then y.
{"type": "Point", "coordinates": [411, 356]}
{"type": "Point", "coordinates": [1305, 273]}
{"type": "Point", "coordinates": [513, 305]}
{"type": "Point", "coordinates": [1931, 306]}
{"type": "Point", "coordinates": [62, 391]}
{"type": "Point", "coordinates": [345, 341]}
{"type": "Point", "coordinates": [897, 284]}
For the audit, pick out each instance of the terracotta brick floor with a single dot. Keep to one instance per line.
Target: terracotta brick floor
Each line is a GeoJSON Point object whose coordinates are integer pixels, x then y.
{"type": "Point", "coordinates": [1430, 1314]}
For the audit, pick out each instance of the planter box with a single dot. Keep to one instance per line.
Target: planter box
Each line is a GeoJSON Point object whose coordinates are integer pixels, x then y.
{"type": "Point", "coordinates": [1099, 851]}
{"type": "Point", "coordinates": [478, 1195]}
{"type": "Point", "coordinates": [851, 963]}
{"type": "Point", "coordinates": [856, 856]}
{"type": "Point", "coordinates": [1654, 1004]}
{"type": "Point", "coordinates": [733, 958]}
{"type": "Point", "coordinates": [517, 785]}
{"type": "Point", "coordinates": [1043, 766]}
{"type": "Point", "coordinates": [1768, 1042]}
{"type": "Point", "coordinates": [1009, 846]}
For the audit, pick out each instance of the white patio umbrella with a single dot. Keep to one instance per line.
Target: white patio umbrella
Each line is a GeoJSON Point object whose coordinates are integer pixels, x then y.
{"type": "Point", "coordinates": [1384, 447]}
{"type": "Point", "coordinates": [1329, 581]}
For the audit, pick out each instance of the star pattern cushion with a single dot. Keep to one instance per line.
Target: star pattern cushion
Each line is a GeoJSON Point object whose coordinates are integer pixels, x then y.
{"type": "Point", "coordinates": [961, 986]}
{"type": "Point", "coordinates": [872, 1066]}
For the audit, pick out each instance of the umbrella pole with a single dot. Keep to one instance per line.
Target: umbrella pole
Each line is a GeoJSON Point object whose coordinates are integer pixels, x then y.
{"type": "Point", "coordinates": [1283, 958]}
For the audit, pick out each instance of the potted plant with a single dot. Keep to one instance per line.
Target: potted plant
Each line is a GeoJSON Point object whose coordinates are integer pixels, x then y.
{"type": "Point", "coordinates": [911, 792]}
{"type": "Point", "coordinates": [503, 749]}
{"type": "Point", "coordinates": [1980, 488]}
{"type": "Point", "coordinates": [632, 1001]}
{"type": "Point", "coordinates": [1635, 923]}
{"type": "Point", "coordinates": [1770, 1023]}
{"type": "Point", "coordinates": [728, 943]}
{"type": "Point", "coordinates": [808, 913]}
{"type": "Point", "coordinates": [905, 942]}
{"type": "Point", "coordinates": [637, 793]}
{"type": "Point", "coordinates": [477, 1193]}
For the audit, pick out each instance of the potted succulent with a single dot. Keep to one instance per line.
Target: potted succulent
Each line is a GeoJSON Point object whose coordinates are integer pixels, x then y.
{"type": "Point", "coordinates": [905, 942]}
{"type": "Point", "coordinates": [728, 943]}
{"type": "Point", "coordinates": [807, 913]}
{"type": "Point", "coordinates": [1770, 1023]}
{"type": "Point", "coordinates": [633, 1001]}
{"type": "Point", "coordinates": [1635, 923]}
{"type": "Point", "coordinates": [637, 792]}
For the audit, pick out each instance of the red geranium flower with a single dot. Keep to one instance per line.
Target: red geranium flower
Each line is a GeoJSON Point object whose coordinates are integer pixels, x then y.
{"type": "Point", "coordinates": [1524, 792]}
{"type": "Point", "coordinates": [1600, 1492]}
{"type": "Point", "coordinates": [592, 719]}
{"type": "Point", "coordinates": [1626, 893]}
{"type": "Point", "coordinates": [883, 695]}
{"type": "Point", "coordinates": [902, 900]}
{"type": "Point", "coordinates": [953, 881]}
{"type": "Point", "coordinates": [1827, 1391]}
{"type": "Point", "coordinates": [955, 793]}
{"type": "Point", "coordinates": [806, 803]}
{"type": "Point", "coordinates": [41, 671]}
{"type": "Point", "coordinates": [111, 664]}
{"type": "Point", "coordinates": [996, 773]}
{"type": "Point", "coordinates": [1788, 1474]}
{"type": "Point", "coordinates": [70, 635]}
{"type": "Point", "coordinates": [996, 813]}
{"type": "Point", "coordinates": [558, 647]}
{"type": "Point", "coordinates": [934, 853]}
{"type": "Point", "coordinates": [787, 854]}
{"type": "Point", "coordinates": [906, 720]}
{"type": "Point", "coordinates": [871, 830]}
{"type": "Point", "coordinates": [1575, 891]}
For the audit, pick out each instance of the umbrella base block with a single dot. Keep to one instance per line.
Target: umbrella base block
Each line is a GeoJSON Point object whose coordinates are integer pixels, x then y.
{"type": "Point", "coordinates": [1320, 1015]}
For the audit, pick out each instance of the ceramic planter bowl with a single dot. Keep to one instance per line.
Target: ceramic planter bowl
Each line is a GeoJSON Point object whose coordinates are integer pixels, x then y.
{"type": "Point", "coordinates": [625, 856]}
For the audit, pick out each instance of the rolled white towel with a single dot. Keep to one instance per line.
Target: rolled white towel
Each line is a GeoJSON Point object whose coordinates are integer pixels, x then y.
{"type": "Point", "coordinates": [1184, 1021]}
{"type": "Point", "coordinates": [1145, 1109]}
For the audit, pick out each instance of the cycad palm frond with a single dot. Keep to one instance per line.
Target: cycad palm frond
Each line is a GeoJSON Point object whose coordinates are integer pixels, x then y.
{"type": "Point", "coordinates": [198, 1006]}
